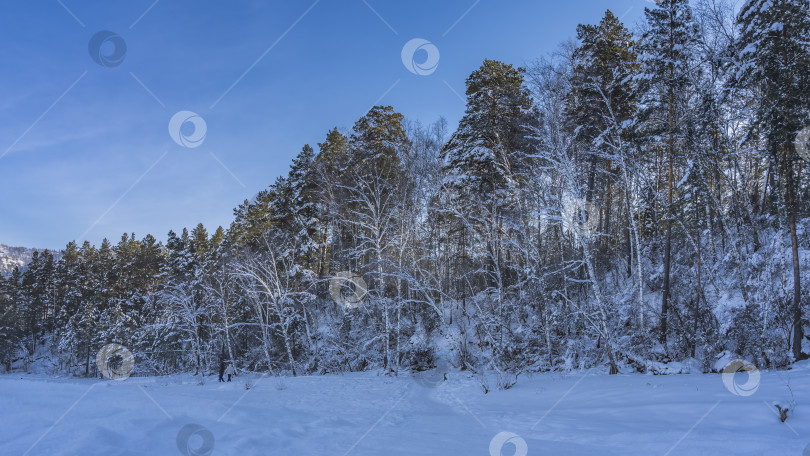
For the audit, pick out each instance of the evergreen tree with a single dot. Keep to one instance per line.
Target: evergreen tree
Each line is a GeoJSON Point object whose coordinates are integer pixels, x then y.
{"type": "Point", "coordinates": [330, 168]}
{"type": "Point", "coordinates": [38, 297]}
{"type": "Point", "coordinates": [775, 59]}
{"type": "Point", "coordinates": [487, 160]}
{"type": "Point", "coordinates": [10, 321]}
{"type": "Point", "coordinates": [293, 209]}
{"type": "Point", "coordinates": [333, 155]}
{"type": "Point", "coordinates": [84, 322]}
{"type": "Point", "coordinates": [490, 149]}
{"type": "Point", "coordinates": [600, 102]}
{"type": "Point", "coordinates": [68, 283]}
{"type": "Point", "coordinates": [667, 49]}
{"type": "Point", "coordinates": [377, 146]}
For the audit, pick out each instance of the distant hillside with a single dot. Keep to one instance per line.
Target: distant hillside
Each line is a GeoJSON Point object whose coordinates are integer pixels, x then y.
{"type": "Point", "coordinates": [11, 257]}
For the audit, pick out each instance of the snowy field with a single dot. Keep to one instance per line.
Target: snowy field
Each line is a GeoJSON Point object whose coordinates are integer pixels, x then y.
{"type": "Point", "coordinates": [368, 414]}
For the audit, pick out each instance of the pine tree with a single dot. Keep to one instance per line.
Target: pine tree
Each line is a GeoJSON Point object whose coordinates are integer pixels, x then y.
{"type": "Point", "coordinates": [487, 163]}
{"type": "Point", "coordinates": [293, 209]}
{"type": "Point", "coordinates": [10, 321]}
{"type": "Point", "coordinates": [330, 168]}
{"type": "Point", "coordinates": [69, 294]}
{"type": "Point", "coordinates": [667, 49]}
{"type": "Point", "coordinates": [378, 144]}
{"type": "Point", "coordinates": [600, 102]}
{"type": "Point", "coordinates": [84, 322]}
{"type": "Point", "coordinates": [487, 160]}
{"type": "Point", "coordinates": [252, 220]}
{"type": "Point", "coordinates": [601, 83]}
{"type": "Point", "coordinates": [775, 59]}
{"type": "Point", "coordinates": [217, 239]}
{"type": "Point", "coordinates": [489, 150]}
{"type": "Point", "coordinates": [38, 309]}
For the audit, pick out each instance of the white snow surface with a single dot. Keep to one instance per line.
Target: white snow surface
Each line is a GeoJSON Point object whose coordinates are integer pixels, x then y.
{"type": "Point", "coordinates": [578, 413]}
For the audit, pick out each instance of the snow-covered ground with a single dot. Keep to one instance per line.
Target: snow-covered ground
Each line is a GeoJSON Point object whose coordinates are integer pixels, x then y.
{"type": "Point", "coordinates": [369, 414]}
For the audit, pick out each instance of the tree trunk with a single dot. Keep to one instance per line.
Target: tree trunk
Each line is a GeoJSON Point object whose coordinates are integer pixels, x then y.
{"type": "Point", "coordinates": [698, 294]}
{"type": "Point", "coordinates": [667, 255]}
{"type": "Point", "coordinates": [87, 363]}
{"type": "Point", "coordinates": [668, 221]}
{"type": "Point", "coordinates": [794, 244]}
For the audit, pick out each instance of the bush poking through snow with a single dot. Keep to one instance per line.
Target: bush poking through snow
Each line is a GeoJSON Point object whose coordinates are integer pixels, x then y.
{"type": "Point", "coordinates": [506, 380]}
{"type": "Point", "coordinates": [483, 381]}
{"type": "Point", "coordinates": [783, 412]}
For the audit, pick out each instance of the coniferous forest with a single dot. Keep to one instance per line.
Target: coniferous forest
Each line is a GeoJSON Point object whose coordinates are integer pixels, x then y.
{"type": "Point", "coordinates": [636, 199]}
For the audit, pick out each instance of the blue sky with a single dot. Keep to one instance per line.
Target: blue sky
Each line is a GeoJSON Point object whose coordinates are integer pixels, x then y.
{"type": "Point", "coordinates": [86, 151]}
